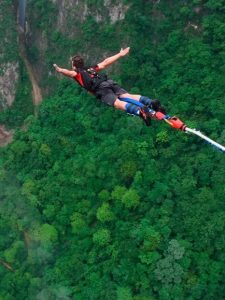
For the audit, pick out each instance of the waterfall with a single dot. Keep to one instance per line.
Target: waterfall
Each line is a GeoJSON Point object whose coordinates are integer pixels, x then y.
{"type": "Point", "coordinates": [22, 11]}
{"type": "Point", "coordinates": [37, 94]}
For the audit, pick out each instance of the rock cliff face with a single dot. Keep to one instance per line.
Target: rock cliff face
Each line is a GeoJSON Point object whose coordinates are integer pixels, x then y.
{"type": "Point", "coordinates": [80, 10]}
{"type": "Point", "coordinates": [116, 10]}
{"type": "Point", "coordinates": [8, 83]}
{"type": "Point", "coordinates": [9, 73]}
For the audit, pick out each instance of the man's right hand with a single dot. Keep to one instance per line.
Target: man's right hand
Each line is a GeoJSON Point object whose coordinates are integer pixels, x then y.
{"type": "Point", "coordinates": [65, 72]}
{"type": "Point", "coordinates": [57, 68]}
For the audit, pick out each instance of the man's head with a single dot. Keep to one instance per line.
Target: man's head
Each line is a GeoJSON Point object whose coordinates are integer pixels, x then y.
{"type": "Point", "coordinates": [77, 62]}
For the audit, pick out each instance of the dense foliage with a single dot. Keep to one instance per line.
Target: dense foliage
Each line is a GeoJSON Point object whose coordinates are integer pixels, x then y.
{"type": "Point", "coordinates": [94, 205]}
{"type": "Point", "coordinates": [8, 33]}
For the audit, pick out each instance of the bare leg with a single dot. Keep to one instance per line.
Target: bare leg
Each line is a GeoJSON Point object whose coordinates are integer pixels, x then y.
{"type": "Point", "coordinates": [131, 96]}
{"type": "Point", "coordinates": [128, 107]}
{"type": "Point", "coordinates": [120, 104]}
{"type": "Point", "coordinates": [131, 108]}
{"type": "Point", "coordinates": [153, 104]}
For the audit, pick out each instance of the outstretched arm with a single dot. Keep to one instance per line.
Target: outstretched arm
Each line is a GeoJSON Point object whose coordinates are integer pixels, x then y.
{"type": "Point", "coordinates": [108, 61]}
{"type": "Point", "coordinates": [68, 73]}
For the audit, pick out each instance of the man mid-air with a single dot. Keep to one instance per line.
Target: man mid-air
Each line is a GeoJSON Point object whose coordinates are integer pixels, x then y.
{"type": "Point", "coordinates": [109, 91]}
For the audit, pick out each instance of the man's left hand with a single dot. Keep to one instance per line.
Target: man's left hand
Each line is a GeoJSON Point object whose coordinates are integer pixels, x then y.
{"type": "Point", "coordinates": [125, 51]}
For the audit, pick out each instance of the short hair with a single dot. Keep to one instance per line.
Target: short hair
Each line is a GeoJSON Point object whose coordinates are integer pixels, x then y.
{"type": "Point", "coordinates": [77, 61]}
